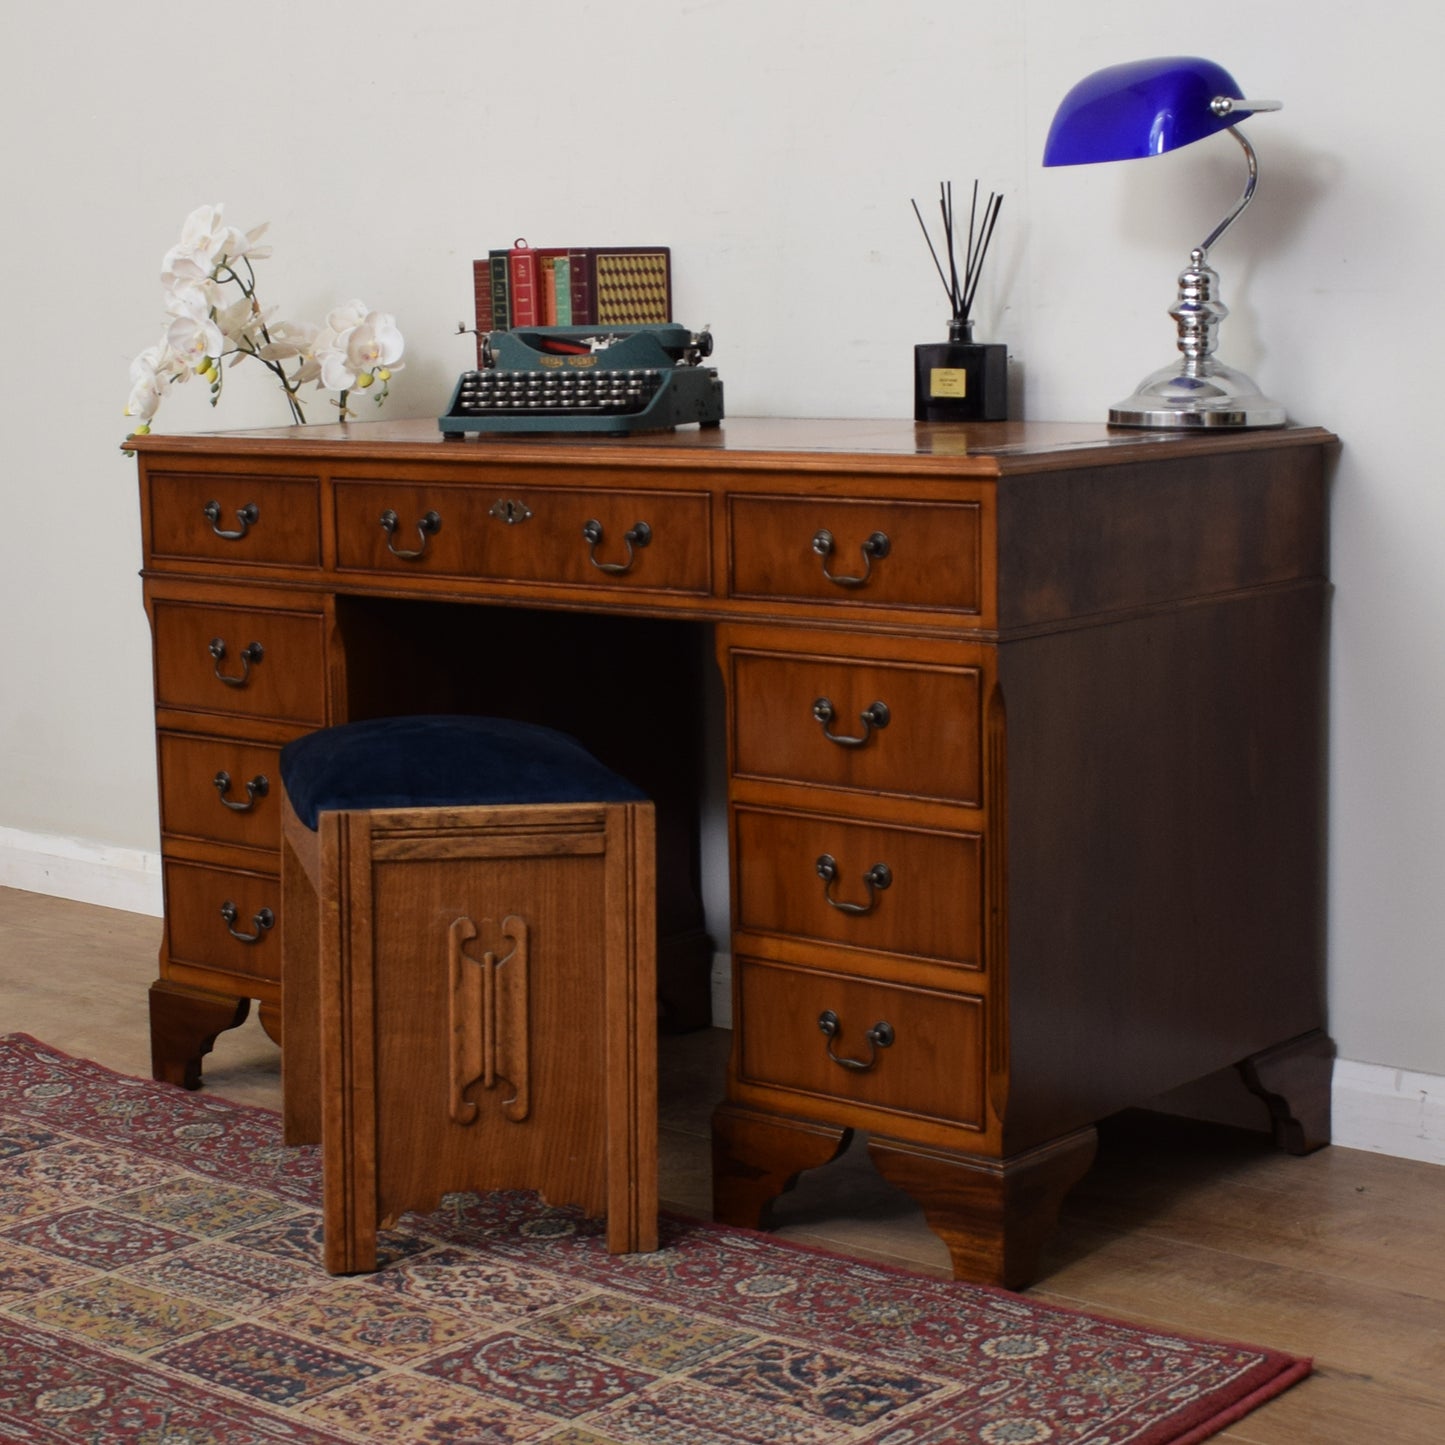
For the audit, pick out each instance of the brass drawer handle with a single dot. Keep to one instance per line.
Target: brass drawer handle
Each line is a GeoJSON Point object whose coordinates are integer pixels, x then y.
{"type": "Point", "coordinates": [876, 879]}
{"type": "Point", "coordinates": [638, 535]}
{"type": "Point", "coordinates": [873, 717]}
{"type": "Point", "coordinates": [247, 516]}
{"type": "Point", "coordinates": [263, 921]}
{"type": "Point", "coordinates": [880, 1036]}
{"type": "Point", "coordinates": [254, 653]}
{"type": "Point", "coordinates": [256, 789]}
{"type": "Point", "coordinates": [427, 528]}
{"type": "Point", "coordinates": [875, 547]}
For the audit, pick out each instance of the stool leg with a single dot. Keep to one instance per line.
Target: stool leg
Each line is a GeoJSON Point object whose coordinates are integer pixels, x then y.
{"type": "Point", "coordinates": [631, 1024]}
{"type": "Point", "coordinates": [348, 1046]}
{"type": "Point", "coordinates": [300, 953]}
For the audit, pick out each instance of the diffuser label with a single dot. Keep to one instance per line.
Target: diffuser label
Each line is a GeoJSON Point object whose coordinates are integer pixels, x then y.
{"type": "Point", "coordinates": [948, 381]}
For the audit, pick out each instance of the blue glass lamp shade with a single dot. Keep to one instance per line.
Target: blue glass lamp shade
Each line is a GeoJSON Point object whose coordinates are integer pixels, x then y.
{"type": "Point", "coordinates": [1142, 108]}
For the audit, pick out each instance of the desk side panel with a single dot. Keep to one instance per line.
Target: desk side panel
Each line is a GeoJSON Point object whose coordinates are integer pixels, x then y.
{"type": "Point", "coordinates": [1166, 837]}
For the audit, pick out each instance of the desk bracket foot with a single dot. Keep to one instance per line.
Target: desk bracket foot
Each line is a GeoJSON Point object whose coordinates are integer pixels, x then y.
{"type": "Point", "coordinates": [757, 1157]}
{"type": "Point", "coordinates": [995, 1215]}
{"type": "Point", "coordinates": [185, 1023]}
{"type": "Point", "coordinates": [1294, 1080]}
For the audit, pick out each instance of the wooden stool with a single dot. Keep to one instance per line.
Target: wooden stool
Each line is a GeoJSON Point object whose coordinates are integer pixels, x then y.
{"type": "Point", "coordinates": [468, 974]}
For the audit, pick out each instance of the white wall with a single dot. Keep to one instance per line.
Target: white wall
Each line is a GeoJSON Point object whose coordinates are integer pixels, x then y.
{"type": "Point", "coordinates": [775, 145]}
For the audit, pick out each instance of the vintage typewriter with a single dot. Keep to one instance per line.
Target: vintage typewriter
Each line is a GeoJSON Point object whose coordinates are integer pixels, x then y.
{"type": "Point", "coordinates": [587, 379]}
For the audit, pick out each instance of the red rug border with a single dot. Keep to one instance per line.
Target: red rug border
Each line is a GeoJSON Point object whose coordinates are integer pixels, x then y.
{"type": "Point", "coordinates": [1288, 1369]}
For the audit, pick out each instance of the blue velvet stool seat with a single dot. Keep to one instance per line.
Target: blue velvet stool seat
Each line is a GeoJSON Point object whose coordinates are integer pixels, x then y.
{"type": "Point", "coordinates": [468, 974]}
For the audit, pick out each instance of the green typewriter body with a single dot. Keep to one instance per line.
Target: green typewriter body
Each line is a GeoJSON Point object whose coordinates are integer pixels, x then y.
{"type": "Point", "coordinates": [587, 379]}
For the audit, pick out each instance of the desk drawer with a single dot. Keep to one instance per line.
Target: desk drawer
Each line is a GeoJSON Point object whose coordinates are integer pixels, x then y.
{"type": "Point", "coordinates": [907, 891]}
{"type": "Point", "coordinates": [267, 520]}
{"type": "Point", "coordinates": [825, 549]}
{"type": "Point", "coordinates": [245, 939]}
{"type": "Point", "coordinates": [872, 726]}
{"type": "Point", "coordinates": [646, 540]}
{"type": "Point", "coordinates": [254, 662]}
{"type": "Point", "coordinates": [220, 790]}
{"type": "Point", "coordinates": [926, 1057]}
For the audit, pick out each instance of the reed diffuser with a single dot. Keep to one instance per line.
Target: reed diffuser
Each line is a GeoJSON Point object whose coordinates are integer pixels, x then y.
{"type": "Point", "coordinates": [961, 380]}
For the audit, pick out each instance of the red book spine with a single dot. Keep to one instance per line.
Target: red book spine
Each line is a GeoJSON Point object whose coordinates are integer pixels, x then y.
{"type": "Point", "coordinates": [526, 293]}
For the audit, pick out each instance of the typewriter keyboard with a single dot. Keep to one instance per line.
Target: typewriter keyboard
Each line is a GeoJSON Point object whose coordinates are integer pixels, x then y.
{"type": "Point", "coordinates": [571, 392]}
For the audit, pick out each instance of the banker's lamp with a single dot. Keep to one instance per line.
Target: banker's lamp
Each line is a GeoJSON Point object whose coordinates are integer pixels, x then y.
{"type": "Point", "coordinates": [1141, 109]}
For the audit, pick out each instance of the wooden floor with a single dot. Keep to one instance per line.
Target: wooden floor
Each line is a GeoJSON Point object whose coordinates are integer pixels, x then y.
{"type": "Point", "coordinates": [1193, 1228]}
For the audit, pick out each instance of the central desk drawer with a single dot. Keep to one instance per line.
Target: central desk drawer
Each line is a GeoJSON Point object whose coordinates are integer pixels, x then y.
{"type": "Point", "coordinates": [647, 540]}
{"type": "Point", "coordinates": [221, 790]}
{"type": "Point", "coordinates": [925, 1057]}
{"type": "Point", "coordinates": [906, 891]}
{"type": "Point", "coordinates": [866, 725]}
{"type": "Point", "coordinates": [254, 662]}
{"type": "Point", "coordinates": [876, 553]}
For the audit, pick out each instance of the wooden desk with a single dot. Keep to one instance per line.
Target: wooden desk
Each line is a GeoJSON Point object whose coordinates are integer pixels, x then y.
{"type": "Point", "coordinates": [1024, 732]}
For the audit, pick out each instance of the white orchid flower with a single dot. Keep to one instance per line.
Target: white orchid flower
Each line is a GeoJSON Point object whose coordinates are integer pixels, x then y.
{"type": "Point", "coordinates": [191, 298]}
{"type": "Point", "coordinates": [241, 322]}
{"type": "Point", "coordinates": [343, 318]}
{"type": "Point", "coordinates": [375, 345]}
{"type": "Point", "coordinates": [336, 371]}
{"type": "Point", "coordinates": [145, 398]}
{"type": "Point", "coordinates": [288, 339]}
{"type": "Point", "coordinates": [236, 244]}
{"type": "Point", "coordinates": [203, 233]}
{"type": "Point", "coordinates": [151, 373]}
{"type": "Point", "coordinates": [197, 342]}
{"type": "Point", "coordinates": [193, 257]}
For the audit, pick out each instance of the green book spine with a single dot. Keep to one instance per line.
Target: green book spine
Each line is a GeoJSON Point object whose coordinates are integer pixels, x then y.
{"type": "Point", "coordinates": [501, 291]}
{"type": "Point", "coordinates": [562, 270]}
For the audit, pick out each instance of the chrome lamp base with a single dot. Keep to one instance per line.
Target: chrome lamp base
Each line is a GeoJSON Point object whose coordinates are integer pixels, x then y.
{"type": "Point", "coordinates": [1217, 396]}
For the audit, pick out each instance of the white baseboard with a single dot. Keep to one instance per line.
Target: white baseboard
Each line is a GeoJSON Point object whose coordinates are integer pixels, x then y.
{"type": "Point", "coordinates": [1388, 1111]}
{"type": "Point", "coordinates": [100, 873]}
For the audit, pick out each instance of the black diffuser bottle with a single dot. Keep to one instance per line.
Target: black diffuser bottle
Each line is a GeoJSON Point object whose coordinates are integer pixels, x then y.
{"type": "Point", "coordinates": [960, 379]}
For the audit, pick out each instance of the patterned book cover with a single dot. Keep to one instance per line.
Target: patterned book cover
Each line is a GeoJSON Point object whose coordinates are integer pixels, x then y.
{"type": "Point", "coordinates": [632, 285]}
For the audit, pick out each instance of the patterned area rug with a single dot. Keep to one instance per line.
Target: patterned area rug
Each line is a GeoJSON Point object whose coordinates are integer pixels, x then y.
{"type": "Point", "coordinates": [159, 1285]}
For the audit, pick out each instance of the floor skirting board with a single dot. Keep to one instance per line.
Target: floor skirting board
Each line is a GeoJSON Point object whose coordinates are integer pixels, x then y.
{"type": "Point", "coordinates": [86, 872]}
{"type": "Point", "coordinates": [1377, 1108]}
{"type": "Point", "coordinates": [1388, 1111]}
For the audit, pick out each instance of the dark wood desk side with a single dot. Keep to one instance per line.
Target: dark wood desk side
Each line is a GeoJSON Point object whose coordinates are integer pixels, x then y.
{"type": "Point", "coordinates": [1096, 788]}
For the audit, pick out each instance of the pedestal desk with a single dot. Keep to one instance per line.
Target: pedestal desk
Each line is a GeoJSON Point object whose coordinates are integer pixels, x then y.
{"type": "Point", "coordinates": [1024, 750]}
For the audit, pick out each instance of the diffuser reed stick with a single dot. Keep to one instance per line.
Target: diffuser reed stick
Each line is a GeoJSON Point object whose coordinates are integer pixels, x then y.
{"type": "Point", "coordinates": [961, 291]}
